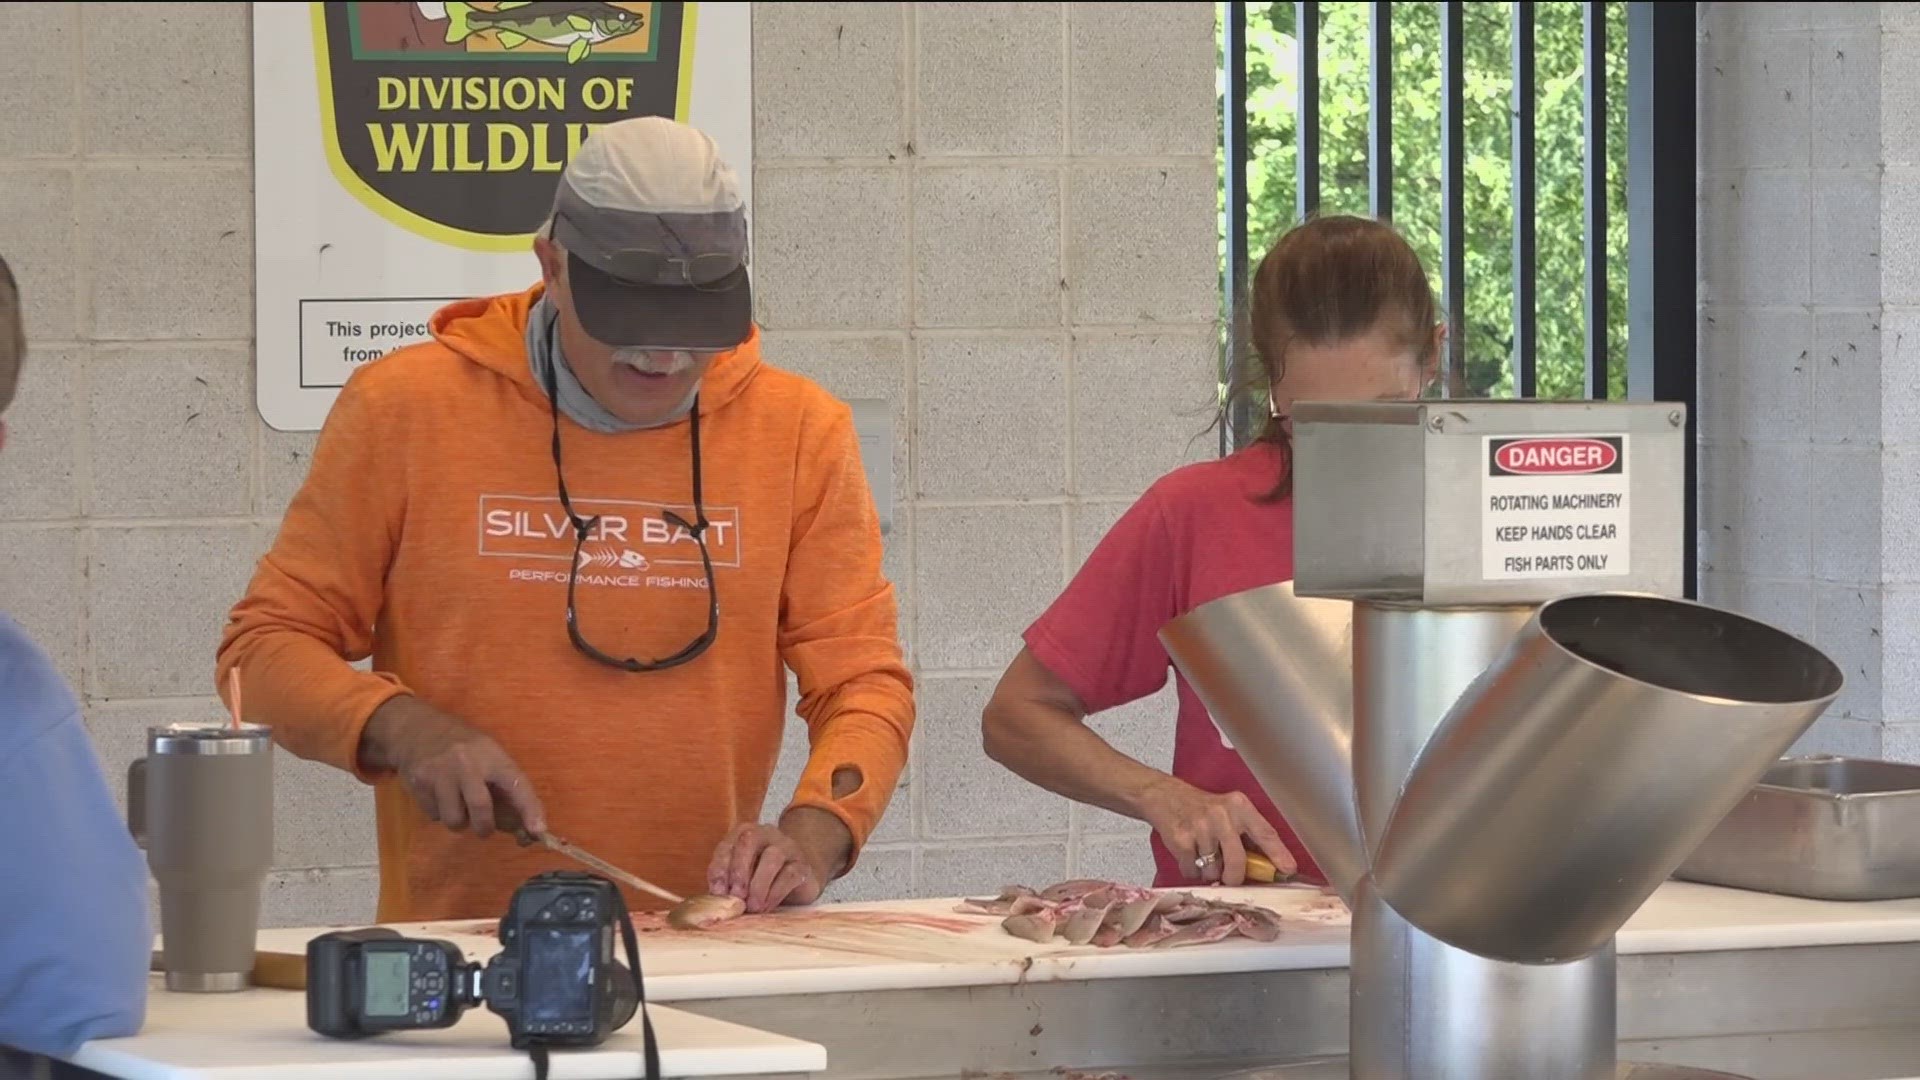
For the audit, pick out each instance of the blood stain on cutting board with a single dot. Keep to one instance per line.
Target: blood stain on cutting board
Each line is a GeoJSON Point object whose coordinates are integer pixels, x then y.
{"type": "Point", "coordinates": [800, 922]}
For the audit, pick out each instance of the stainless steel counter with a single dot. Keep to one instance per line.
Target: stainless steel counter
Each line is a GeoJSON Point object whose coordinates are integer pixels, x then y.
{"type": "Point", "coordinates": [1824, 1013]}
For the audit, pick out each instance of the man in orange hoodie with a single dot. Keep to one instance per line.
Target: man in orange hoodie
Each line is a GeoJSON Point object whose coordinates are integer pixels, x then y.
{"type": "Point", "coordinates": [580, 532]}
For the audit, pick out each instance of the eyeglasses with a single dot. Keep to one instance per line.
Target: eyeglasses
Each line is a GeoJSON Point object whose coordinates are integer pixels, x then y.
{"type": "Point", "coordinates": [583, 527]}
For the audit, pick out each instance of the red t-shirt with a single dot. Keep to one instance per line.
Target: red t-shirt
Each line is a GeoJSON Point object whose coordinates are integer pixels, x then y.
{"type": "Point", "coordinates": [1198, 534]}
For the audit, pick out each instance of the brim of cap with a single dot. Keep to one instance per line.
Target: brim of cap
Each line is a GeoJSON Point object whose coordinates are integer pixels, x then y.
{"type": "Point", "coordinates": [713, 318]}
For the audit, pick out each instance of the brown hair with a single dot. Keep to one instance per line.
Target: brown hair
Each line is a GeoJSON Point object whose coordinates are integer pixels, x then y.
{"type": "Point", "coordinates": [1326, 281]}
{"type": "Point", "coordinates": [13, 336]}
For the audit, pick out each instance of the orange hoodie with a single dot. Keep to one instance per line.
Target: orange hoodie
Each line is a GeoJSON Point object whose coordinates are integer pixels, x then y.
{"type": "Point", "coordinates": [429, 536]}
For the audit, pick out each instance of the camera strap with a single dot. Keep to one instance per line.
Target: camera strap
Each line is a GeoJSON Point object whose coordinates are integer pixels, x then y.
{"type": "Point", "coordinates": [631, 940]}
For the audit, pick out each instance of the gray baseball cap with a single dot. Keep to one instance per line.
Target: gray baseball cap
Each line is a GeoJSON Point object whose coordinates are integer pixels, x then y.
{"type": "Point", "coordinates": [655, 232]}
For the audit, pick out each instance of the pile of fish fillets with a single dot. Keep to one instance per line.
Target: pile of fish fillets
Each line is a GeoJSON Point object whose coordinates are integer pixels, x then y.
{"type": "Point", "coordinates": [1106, 914]}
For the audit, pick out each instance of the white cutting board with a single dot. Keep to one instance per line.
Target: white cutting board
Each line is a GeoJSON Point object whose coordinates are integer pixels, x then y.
{"type": "Point", "coordinates": [262, 1035]}
{"type": "Point", "coordinates": [746, 959]}
{"type": "Point", "coordinates": [690, 966]}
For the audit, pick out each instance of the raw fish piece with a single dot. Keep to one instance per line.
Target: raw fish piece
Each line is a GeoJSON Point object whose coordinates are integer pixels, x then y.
{"type": "Point", "coordinates": [1037, 926]}
{"type": "Point", "coordinates": [1215, 927]}
{"type": "Point", "coordinates": [1154, 930]}
{"type": "Point", "coordinates": [703, 912]}
{"type": "Point", "coordinates": [1083, 924]}
{"type": "Point", "coordinates": [1256, 922]}
{"type": "Point", "coordinates": [1133, 914]}
{"type": "Point", "coordinates": [1073, 890]}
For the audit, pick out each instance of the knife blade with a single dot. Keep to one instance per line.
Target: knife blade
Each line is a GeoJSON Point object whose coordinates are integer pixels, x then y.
{"type": "Point", "coordinates": [508, 821]}
{"type": "Point", "coordinates": [594, 862]}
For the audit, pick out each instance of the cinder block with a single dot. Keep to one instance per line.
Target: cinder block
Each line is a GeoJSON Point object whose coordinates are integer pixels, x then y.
{"type": "Point", "coordinates": [1127, 859]}
{"type": "Point", "coordinates": [1846, 377]}
{"type": "Point", "coordinates": [38, 240]}
{"type": "Point", "coordinates": [1845, 237]}
{"type": "Point", "coordinates": [969, 795]}
{"type": "Point", "coordinates": [989, 79]}
{"type": "Point", "coordinates": [322, 815]}
{"type": "Point", "coordinates": [1143, 731]}
{"type": "Point", "coordinates": [38, 90]}
{"type": "Point", "coordinates": [1091, 521]}
{"type": "Point", "coordinates": [285, 457]}
{"type": "Point", "coordinates": [881, 874]}
{"type": "Point", "coordinates": [1754, 99]}
{"type": "Point", "coordinates": [897, 824]}
{"type": "Point", "coordinates": [339, 896]}
{"type": "Point", "coordinates": [1756, 371]}
{"type": "Point", "coordinates": [175, 81]}
{"type": "Point", "coordinates": [1143, 245]}
{"type": "Point", "coordinates": [1900, 234]}
{"type": "Point", "coordinates": [1898, 104]}
{"type": "Point", "coordinates": [1118, 108]}
{"type": "Point", "coordinates": [986, 247]}
{"type": "Point", "coordinates": [1900, 742]}
{"type": "Point", "coordinates": [1863, 16]}
{"type": "Point", "coordinates": [1847, 514]}
{"type": "Point", "coordinates": [1756, 509]}
{"type": "Point", "coordinates": [1846, 97]}
{"type": "Point", "coordinates": [1142, 406]}
{"type": "Point", "coordinates": [118, 730]}
{"type": "Point", "coordinates": [158, 598]}
{"type": "Point", "coordinates": [1900, 522]}
{"type": "Point", "coordinates": [829, 80]}
{"type": "Point", "coordinates": [1896, 17]}
{"type": "Point", "coordinates": [1729, 22]}
{"type": "Point", "coordinates": [196, 401]}
{"type": "Point", "coordinates": [1900, 653]}
{"type": "Point", "coordinates": [865, 367]}
{"type": "Point", "coordinates": [169, 251]}
{"type": "Point", "coordinates": [37, 480]}
{"type": "Point", "coordinates": [981, 575]}
{"type": "Point", "coordinates": [956, 870]}
{"type": "Point", "coordinates": [992, 416]}
{"type": "Point", "coordinates": [1846, 625]}
{"type": "Point", "coordinates": [1785, 604]}
{"type": "Point", "coordinates": [1899, 384]}
{"type": "Point", "coordinates": [1836, 735]}
{"type": "Point", "coordinates": [831, 250]}
{"type": "Point", "coordinates": [41, 575]}
{"type": "Point", "coordinates": [1753, 231]}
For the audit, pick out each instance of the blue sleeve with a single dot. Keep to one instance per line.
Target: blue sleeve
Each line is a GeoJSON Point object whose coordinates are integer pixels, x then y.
{"type": "Point", "coordinates": [75, 932]}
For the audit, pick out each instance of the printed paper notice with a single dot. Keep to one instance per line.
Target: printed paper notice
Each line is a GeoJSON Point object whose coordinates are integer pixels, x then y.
{"type": "Point", "coordinates": [406, 154]}
{"type": "Point", "coordinates": [1554, 506]}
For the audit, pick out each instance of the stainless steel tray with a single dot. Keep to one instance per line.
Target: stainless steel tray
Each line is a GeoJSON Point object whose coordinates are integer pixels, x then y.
{"type": "Point", "coordinates": [1826, 828]}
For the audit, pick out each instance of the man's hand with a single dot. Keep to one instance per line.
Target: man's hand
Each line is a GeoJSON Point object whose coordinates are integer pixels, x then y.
{"type": "Point", "coordinates": [768, 866]}
{"type": "Point", "coordinates": [1199, 825]}
{"type": "Point", "coordinates": [452, 770]}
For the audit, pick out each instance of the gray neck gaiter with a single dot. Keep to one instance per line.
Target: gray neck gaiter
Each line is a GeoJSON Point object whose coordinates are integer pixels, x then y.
{"type": "Point", "coordinates": [544, 354]}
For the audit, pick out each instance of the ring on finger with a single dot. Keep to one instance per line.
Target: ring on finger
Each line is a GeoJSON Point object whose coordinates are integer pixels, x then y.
{"type": "Point", "coordinates": [1206, 860]}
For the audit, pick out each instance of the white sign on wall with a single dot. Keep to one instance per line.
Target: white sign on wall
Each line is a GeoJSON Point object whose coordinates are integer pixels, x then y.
{"type": "Point", "coordinates": [1554, 506]}
{"type": "Point", "coordinates": [404, 154]}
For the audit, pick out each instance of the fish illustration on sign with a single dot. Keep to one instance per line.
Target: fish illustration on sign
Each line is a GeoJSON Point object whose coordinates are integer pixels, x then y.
{"type": "Point", "coordinates": [575, 27]}
{"type": "Point", "coordinates": [453, 120]}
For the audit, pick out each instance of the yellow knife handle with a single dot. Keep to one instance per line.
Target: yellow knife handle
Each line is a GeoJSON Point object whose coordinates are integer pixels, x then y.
{"type": "Point", "coordinates": [1261, 869]}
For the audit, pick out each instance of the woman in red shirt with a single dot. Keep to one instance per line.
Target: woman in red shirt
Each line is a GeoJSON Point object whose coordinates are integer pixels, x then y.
{"type": "Point", "coordinates": [1342, 310]}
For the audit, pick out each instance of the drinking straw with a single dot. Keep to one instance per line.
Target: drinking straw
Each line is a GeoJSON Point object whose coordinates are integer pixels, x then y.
{"type": "Point", "coordinates": [233, 687]}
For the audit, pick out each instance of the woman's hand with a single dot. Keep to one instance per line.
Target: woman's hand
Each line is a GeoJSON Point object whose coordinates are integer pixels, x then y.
{"type": "Point", "coordinates": [1204, 832]}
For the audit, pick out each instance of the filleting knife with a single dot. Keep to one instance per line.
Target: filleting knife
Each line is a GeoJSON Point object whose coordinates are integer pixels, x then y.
{"type": "Point", "coordinates": [509, 822]}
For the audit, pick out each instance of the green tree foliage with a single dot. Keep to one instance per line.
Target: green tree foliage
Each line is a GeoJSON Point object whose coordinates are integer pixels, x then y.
{"type": "Point", "coordinates": [1488, 125]}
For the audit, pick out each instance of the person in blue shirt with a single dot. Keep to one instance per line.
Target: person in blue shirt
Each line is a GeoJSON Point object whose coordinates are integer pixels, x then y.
{"type": "Point", "coordinates": [75, 931]}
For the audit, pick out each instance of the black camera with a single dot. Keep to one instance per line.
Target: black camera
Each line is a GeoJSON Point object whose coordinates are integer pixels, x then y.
{"type": "Point", "coordinates": [555, 981]}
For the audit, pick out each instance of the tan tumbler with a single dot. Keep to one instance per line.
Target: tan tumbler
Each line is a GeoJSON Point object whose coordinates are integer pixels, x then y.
{"type": "Point", "coordinates": [201, 804]}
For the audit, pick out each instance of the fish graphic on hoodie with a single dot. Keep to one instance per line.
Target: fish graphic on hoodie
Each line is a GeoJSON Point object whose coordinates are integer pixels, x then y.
{"type": "Point", "coordinates": [575, 27]}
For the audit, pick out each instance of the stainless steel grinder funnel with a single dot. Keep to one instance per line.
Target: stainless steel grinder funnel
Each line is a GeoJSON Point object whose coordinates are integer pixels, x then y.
{"type": "Point", "coordinates": [1535, 731]}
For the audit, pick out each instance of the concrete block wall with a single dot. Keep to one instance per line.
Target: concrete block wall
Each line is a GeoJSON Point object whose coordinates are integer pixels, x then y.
{"type": "Point", "coordinates": [982, 215]}
{"type": "Point", "coordinates": [1809, 332]}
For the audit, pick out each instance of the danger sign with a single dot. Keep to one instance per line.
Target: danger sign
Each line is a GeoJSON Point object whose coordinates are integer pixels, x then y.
{"type": "Point", "coordinates": [1555, 506]}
